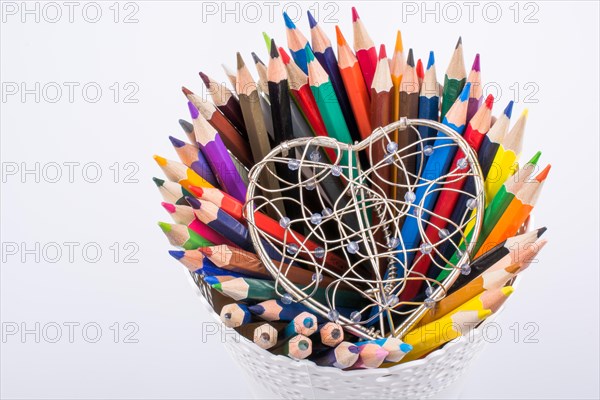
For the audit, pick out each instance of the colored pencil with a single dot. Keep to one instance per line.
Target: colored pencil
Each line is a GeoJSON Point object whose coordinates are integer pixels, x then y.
{"type": "Point", "coordinates": [456, 323]}
{"type": "Point", "coordinates": [370, 355]}
{"type": "Point", "coordinates": [213, 279]}
{"type": "Point", "coordinates": [260, 290]}
{"type": "Point", "coordinates": [476, 95]}
{"type": "Point", "coordinates": [171, 192]}
{"type": "Point", "coordinates": [436, 165]}
{"type": "Point", "coordinates": [409, 108]}
{"type": "Point", "coordinates": [508, 154]}
{"type": "Point", "coordinates": [267, 40]}
{"type": "Point", "coordinates": [226, 102]}
{"type": "Point", "coordinates": [491, 215]}
{"type": "Point", "coordinates": [420, 72]}
{"type": "Point", "coordinates": [329, 108]}
{"type": "Point", "coordinates": [429, 102]}
{"type": "Point", "coordinates": [380, 115]}
{"type": "Point", "coordinates": [282, 128]}
{"type": "Point", "coordinates": [517, 211]}
{"type": "Point", "coordinates": [230, 135]}
{"type": "Point", "coordinates": [343, 356]}
{"type": "Point", "coordinates": [265, 336]}
{"type": "Point", "coordinates": [476, 130]}
{"type": "Point", "coordinates": [297, 43]}
{"type": "Point", "coordinates": [181, 236]}
{"type": "Point", "coordinates": [184, 215]}
{"type": "Point", "coordinates": [365, 50]}
{"type": "Point", "coordinates": [233, 258]}
{"type": "Point", "coordinates": [268, 225]}
{"type": "Point", "coordinates": [257, 132]}
{"type": "Point", "coordinates": [354, 83]}
{"type": "Point", "coordinates": [454, 80]}
{"type": "Point", "coordinates": [321, 46]}
{"type": "Point", "coordinates": [261, 70]}
{"type": "Point", "coordinates": [397, 65]}
{"type": "Point", "coordinates": [395, 347]}
{"type": "Point", "coordinates": [188, 128]}
{"type": "Point", "coordinates": [304, 323]}
{"type": "Point", "coordinates": [177, 172]}
{"type": "Point", "coordinates": [192, 157]}
{"type": "Point", "coordinates": [298, 347]}
{"type": "Point", "coordinates": [235, 314]}
{"type": "Point", "coordinates": [276, 310]}
{"type": "Point", "coordinates": [196, 262]}
{"type": "Point", "coordinates": [491, 143]}
{"type": "Point", "coordinates": [231, 75]}
{"type": "Point", "coordinates": [218, 220]}
{"type": "Point", "coordinates": [331, 334]}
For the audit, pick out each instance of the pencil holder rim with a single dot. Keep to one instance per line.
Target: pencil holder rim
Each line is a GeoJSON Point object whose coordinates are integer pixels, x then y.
{"type": "Point", "coordinates": [403, 124]}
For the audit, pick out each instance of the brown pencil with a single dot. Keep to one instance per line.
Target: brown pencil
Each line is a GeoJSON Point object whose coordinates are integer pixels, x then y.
{"type": "Point", "coordinates": [226, 102]}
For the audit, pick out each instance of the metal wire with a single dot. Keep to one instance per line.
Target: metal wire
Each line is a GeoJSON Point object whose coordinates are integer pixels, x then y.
{"type": "Point", "coordinates": [366, 222]}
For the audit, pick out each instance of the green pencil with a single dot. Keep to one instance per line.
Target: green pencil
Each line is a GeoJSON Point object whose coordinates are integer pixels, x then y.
{"type": "Point", "coordinates": [181, 236]}
{"type": "Point", "coordinates": [454, 80]}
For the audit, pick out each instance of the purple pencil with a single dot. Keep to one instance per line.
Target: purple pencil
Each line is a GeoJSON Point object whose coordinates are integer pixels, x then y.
{"type": "Point", "coordinates": [214, 150]}
{"type": "Point", "coordinates": [343, 356]}
{"type": "Point", "coordinates": [476, 95]}
{"type": "Point", "coordinates": [191, 156]}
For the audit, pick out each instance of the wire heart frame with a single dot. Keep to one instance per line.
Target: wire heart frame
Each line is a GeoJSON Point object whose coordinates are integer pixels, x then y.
{"type": "Point", "coordinates": [355, 216]}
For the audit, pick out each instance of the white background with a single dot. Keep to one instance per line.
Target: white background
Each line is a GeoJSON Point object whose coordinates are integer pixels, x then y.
{"type": "Point", "coordinates": [166, 48]}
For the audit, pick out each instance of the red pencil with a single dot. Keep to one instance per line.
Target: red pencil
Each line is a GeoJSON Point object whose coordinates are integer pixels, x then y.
{"type": "Point", "coordinates": [365, 50]}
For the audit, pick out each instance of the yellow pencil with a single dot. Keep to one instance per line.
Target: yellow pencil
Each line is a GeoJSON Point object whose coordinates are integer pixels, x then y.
{"type": "Point", "coordinates": [177, 172]}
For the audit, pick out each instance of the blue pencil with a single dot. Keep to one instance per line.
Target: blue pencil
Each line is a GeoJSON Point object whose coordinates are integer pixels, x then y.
{"type": "Point", "coordinates": [297, 43]}
{"type": "Point", "coordinates": [202, 265]}
{"type": "Point", "coordinates": [276, 310]}
{"type": "Point", "coordinates": [321, 46]}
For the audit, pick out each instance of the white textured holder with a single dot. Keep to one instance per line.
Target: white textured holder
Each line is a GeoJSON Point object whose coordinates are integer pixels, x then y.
{"type": "Point", "coordinates": [280, 377]}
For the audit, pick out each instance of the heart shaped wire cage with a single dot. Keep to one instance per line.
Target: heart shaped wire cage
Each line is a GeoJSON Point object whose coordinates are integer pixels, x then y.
{"type": "Point", "coordinates": [340, 211]}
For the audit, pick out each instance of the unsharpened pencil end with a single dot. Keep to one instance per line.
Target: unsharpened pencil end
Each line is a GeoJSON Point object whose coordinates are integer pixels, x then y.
{"type": "Point", "coordinates": [194, 202]}
{"type": "Point", "coordinates": [160, 160]}
{"type": "Point", "coordinates": [176, 142]}
{"type": "Point", "coordinates": [410, 60]}
{"type": "Point", "coordinates": [489, 101]}
{"type": "Point", "coordinates": [476, 65]}
{"type": "Point", "coordinates": [193, 110]}
{"type": "Point", "coordinates": [399, 46]}
{"type": "Point", "coordinates": [177, 254]}
{"type": "Point", "coordinates": [169, 207]}
{"type": "Point", "coordinates": [431, 60]}
{"type": "Point", "coordinates": [464, 95]}
{"type": "Point", "coordinates": [382, 52]}
{"type": "Point", "coordinates": [158, 182]}
{"type": "Point", "coordinates": [354, 349]}
{"type": "Point", "coordinates": [341, 40]}
{"type": "Point", "coordinates": [311, 20]}
{"type": "Point", "coordinates": [509, 108]}
{"type": "Point", "coordinates": [355, 15]}
{"type": "Point", "coordinates": [288, 21]}
{"type": "Point", "coordinates": [166, 227]}
{"type": "Point", "coordinates": [541, 177]}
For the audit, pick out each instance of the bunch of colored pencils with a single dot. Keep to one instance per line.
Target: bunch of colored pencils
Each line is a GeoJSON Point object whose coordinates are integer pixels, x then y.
{"type": "Point", "coordinates": [311, 91]}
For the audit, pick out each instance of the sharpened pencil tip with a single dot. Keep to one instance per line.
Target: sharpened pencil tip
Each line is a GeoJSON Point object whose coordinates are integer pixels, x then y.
{"type": "Point", "coordinates": [267, 40]}
{"type": "Point", "coordinates": [311, 20]}
{"type": "Point", "coordinates": [169, 207]}
{"type": "Point", "coordinates": [509, 108]}
{"type": "Point", "coordinates": [217, 286]}
{"type": "Point", "coordinates": [541, 231]}
{"type": "Point", "coordinates": [535, 159]}
{"type": "Point", "coordinates": [186, 126]}
{"type": "Point", "coordinates": [158, 182]}
{"type": "Point", "coordinates": [160, 160]}
{"type": "Point", "coordinates": [211, 280]}
{"type": "Point", "coordinates": [399, 46]}
{"type": "Point", "coordinates": [489, 101]}
{"type": "Point", "coordinates": [176, 142]}
{"type": "Point", "coordinates": [459, 43]}
{"type": "Point", "coordinates": [355, 15]}
{"type": "Point", "coordinates": [341, 40]}
{"type": "Point", "coordinates": [288, 21]}
{"type": "Point", "coordinates": [541, 177]}
{"type": "Point", "coordinates": [310, 56]}
{"type": "Point", "coordinates": [166, 227]}
{"type": "Point", "coordinates": [194, 202]}
{"type": "Point", "coordinates": [196, 191]}
{"type": "Point", "coordinates": [186, 91]}
{"type": "Point", "coordinates": [274, 53]}
{"type": "Point", "coordinates": [256, 59]}
{"type": "Point", "coordinates": [193, 110]}
{"type": "Point", "coordinates": [431, 60]}
{"type": "Point", "coordinates": [208, 251]}
{"type": "Point", "coordinates": [177, 254]}
{"type": "Point", "coordinates": [405, 347]}
{"type": "Point", "coordinates": [419, 68]}
{"type": "Point", "coordinates": [410, 60]}
{"type": "Point", "coordinates": [476, 65]}
{"type": "Point", "coordinates": [507, 290]}
{"type": "Point", "coordinates": [525, 113]}
{"type": "Point", "coordinates": [205, 79]}
{"type": "Point", "coordinates": [285, 57]}
{"type": "Point", "coordinates": [464, 95]}
{"type": "Point", "coordinates": [382, 52]}
{"type": "Point", "coordinates": [240, 61]}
